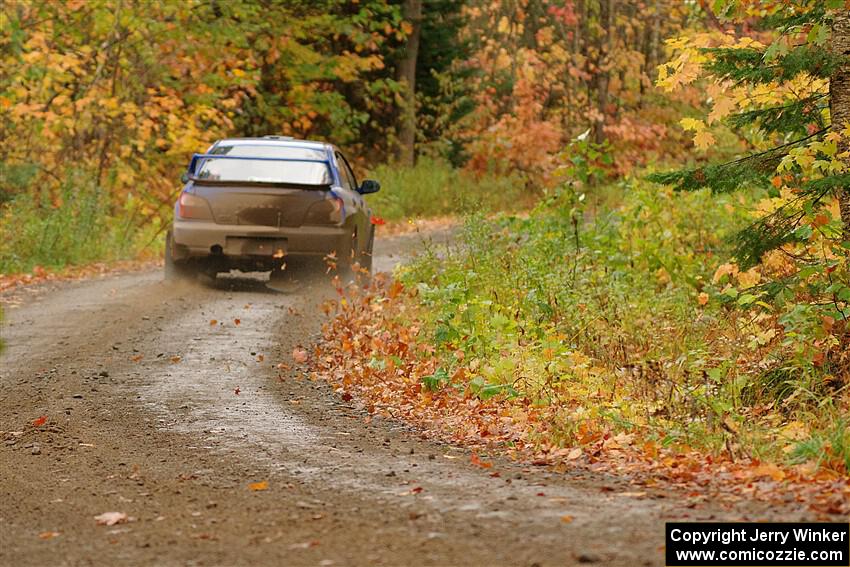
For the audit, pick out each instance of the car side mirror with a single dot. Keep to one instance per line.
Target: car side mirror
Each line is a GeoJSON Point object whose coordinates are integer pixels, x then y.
{"type": "Point", "coordinates": [184, 178]}
{"type": "Point", "coordinates": [369, 186]}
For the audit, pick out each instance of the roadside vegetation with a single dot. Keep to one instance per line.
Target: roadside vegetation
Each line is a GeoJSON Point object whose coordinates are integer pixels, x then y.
{"type": "Point", "coordinates": [630, 323]}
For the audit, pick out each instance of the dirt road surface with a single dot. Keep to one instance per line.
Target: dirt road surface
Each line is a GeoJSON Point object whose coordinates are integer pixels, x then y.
{"type": "Point", "coordinates": [156, 413]}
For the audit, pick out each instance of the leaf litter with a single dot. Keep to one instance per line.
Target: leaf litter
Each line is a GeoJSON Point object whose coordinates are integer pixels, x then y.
{"type": "Point", "coordinates": [369, 353]}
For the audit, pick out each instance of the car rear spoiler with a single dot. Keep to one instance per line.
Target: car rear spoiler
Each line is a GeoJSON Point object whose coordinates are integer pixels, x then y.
{"type": "Point", "coordinates": [196, 159]}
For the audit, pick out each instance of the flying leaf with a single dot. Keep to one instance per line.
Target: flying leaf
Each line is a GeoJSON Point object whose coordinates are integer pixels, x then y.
{"type": "Point", "coordinates": [299, 355]}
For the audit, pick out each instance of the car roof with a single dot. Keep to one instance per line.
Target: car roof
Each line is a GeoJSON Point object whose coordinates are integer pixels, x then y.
{"type": "Point", "coordinates": [284, 141]}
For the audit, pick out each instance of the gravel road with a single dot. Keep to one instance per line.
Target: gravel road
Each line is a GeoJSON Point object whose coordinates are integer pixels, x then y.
{"type": "Point", "coordinates": [156, 413]}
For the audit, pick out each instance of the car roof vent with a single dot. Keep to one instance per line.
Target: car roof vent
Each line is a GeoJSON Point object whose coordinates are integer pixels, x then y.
{"type": "Point", "coordinates": [278, 138]}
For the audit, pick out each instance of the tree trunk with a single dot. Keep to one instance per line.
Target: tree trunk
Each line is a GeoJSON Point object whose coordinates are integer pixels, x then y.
{"type": "Point", "coordinates": [606, 17]}
{"type": "Point", "coordinates": [406, 75]}
{"type": "Point", "coordinates": [839, 101]}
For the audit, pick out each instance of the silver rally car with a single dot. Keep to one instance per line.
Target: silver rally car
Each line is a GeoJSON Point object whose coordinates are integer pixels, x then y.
{"type": "Point", "coordinates": [251, 203]}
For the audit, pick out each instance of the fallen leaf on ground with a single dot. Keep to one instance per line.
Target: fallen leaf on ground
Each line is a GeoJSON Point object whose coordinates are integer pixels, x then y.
{"type": "Point", "coordinates": [566, 518]}
{"type": "Point", "coordinates": [175, 359]}
{"type": "Point", "coordinates": [40, 421]}
{"type": "Point", "coordinates": [111, 518]}
{"type": "Point", "coordinates": [137, 358]}
{"type": "Point", "coordinates": [237, 321]}
{"type": "Point", "coordinates": [574, 454]}
{"type": "Point", "coordinates": [237, 390]}
{"type": "Point", "coordinates": [304, 544]}
{"type": "Point", "coordinates": [769, 469]}
{"type": "Point", "coordinates": [257, 486]}
{"type": "Point", "coordinates": [48, 535]}
{"type": "Point", "coordinates": [476, 460]}
{"type": "Point", "coordinates": [260, 358]}
{"type": "Point", "coordinates": [213, 322]}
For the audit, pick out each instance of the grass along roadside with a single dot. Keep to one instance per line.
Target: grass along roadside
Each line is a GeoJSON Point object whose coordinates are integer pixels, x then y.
{"type": "Point", "coordinates": [434, 189]}
{"type": "Point", "coordinates": [614, 342]}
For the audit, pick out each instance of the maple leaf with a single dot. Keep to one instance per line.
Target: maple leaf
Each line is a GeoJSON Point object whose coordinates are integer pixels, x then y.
{"type": "Point", "coordinates": [723, 106]}
{"type": "Point", "coordinates": [704, 140]}
{"type": "Point", "coordinates": [692, 124]}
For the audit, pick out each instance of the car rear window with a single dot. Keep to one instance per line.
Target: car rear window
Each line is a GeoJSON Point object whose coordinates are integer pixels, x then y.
{"type": "Point", "coordinates": [265, 170]}
{"type": "Point", "coordinates": [269, 151]}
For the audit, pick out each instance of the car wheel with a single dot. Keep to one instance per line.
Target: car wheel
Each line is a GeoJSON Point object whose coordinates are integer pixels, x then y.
{"type": "Point", "coordinates": [175, 270]}
{"type": "Point", "coordinates": [366, 257]}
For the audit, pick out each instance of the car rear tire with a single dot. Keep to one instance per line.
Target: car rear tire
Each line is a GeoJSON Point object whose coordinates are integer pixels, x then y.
{"type": "Point", "coordinates": [175, 270]}
{"type": "Point", "coordinates": [366, 257]}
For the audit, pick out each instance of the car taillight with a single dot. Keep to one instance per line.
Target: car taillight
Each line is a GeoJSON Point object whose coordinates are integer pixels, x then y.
{"type": "Point", "coordinates": [193, 207]}
{"type": "Point", "coordinates": [328, 211]}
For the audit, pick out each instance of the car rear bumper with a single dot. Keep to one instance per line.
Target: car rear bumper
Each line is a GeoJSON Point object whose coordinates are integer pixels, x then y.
{"type": "Point", "coordinates": [200, 239]}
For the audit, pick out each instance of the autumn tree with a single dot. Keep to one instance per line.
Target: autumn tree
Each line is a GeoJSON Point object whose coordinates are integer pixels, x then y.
{"type": "Point", "coordinates": [777, 76]}
{"type": "Point", "coordinates": [124, 91]}
{"type": "Point", "coordinates": [785, 87]}
{"type": "Point", "coordinates": [546, 71]}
